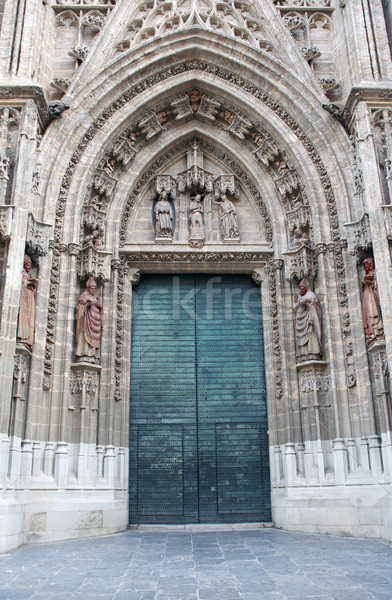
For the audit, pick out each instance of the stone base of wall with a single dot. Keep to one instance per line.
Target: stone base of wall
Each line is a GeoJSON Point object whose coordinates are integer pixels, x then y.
{"type": "Point", "coordinates": [37, 516]}
{"type": "Point", "coordinates": [360, 511]}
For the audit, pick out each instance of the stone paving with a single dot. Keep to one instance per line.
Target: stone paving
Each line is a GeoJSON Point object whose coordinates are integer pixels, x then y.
{"type": "Point", "coordinates": [233, 564]}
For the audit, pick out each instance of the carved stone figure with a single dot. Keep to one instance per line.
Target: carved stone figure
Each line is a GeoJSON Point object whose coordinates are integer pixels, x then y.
{"type": "Point", "coordinates": [300, 237]}
{"type": "Point", "coordinates": [196, 225]}
{"type": "Point", "coordinates": [228, 218]}
{"type": "Point", "coordinates": [89, 318]}
{"type": "Point", "coordinates": [371, 310]}
{"type": "Point", "coordinates": [25, 333]}
{"type": "Point", "coordinates": [163, 213]}
{"type": "Point", "coordinates": [307, 323]}
{"type": "Point", "coordinates": [94, 239]}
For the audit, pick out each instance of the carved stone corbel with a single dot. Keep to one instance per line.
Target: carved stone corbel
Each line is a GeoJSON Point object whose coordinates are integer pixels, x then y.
{"type": "Point", "coordinates": [93, 218]}
{"type": "Point", "coordinates": [358, 235]}
{"type": "Point", "coordinates": [300, 262]}
{"type": "Point", "coordinates": [93, 263]}
{"type": "Point", "coordinates": [123, 150]}
{"type": "Point", "coordinates": [258, 276]}
{"type": "Point", "coordinates": [134, 276]}
{"type": "Point", "coordinates": [5, 221]}
{"type": "Point", "coordinates": [37, 238]}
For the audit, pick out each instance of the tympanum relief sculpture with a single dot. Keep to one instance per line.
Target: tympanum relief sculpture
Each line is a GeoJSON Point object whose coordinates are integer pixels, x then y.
{"type": "Point", "coordinates": [371, 310]}
{"type": "Point", "coordinates": [89, 320]}
{"type": "Point", "coordinates": [25, 333]}
{"type": "Point", "coordinates": [307, 323]}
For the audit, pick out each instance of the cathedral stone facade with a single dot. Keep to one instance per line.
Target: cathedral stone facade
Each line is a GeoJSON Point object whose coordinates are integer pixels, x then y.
{"type": "Point", "coordinates": [163, 153]}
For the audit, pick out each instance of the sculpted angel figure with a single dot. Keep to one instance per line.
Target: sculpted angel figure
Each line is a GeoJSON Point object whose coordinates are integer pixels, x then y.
{"type": "Point", "coordinates": [163, 213]}
{"type": "Point", "coordinates": [307, 323]}
{"type": "Point", "coordinates": [371, 310]}
{"type": "Point", "coordinates": [26, 318]}
{"type": "Point", "coordinates": [89, 319]}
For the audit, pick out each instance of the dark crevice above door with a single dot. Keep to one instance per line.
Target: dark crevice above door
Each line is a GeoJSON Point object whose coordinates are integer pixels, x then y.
{"type": "Point", "coordinates": [198, 420]}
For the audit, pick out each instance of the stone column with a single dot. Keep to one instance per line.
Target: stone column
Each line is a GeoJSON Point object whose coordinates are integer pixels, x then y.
{"type": "Point", "coordinates": [373, 206]}
{"type": "Point", "coordinates": [22, 200]}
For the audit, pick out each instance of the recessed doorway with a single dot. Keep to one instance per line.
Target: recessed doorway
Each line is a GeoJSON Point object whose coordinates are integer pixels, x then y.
{"type": "Point", "coordinates": [198, 416]}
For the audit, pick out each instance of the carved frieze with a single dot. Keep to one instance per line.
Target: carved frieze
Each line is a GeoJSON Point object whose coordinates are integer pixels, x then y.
{"type": "Point", "coordinates": [37, 238]}
{"type": "Point", "coordinates": [84, 387]}
{"type": "Point", "coordinates": [300, 262]}
{"type": "Point", "coordinates": [314, 379]}
{"type": "Point", "coordinates": [358, 235]}
{"type": "Point", "coordinates": [93, 263]}
{"type": "Point", "coordinates": [5, 221]}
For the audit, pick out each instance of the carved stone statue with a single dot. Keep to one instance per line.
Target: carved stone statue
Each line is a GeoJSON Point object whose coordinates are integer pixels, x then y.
{"type": "Point", "coordinates": [94, 239]}
{"type": "Point", "coordinates": [307, 323]}
{"type": "Point", "coordinates": [300, 237]}
{"type": "Point", "coordinates": [25, 333]}
{"type": "Point", "coordinates": [163, 213]}
{"type": "Point", "coordinates": [89, 317]}
{"type": "Point", "coordinates": [228, 218]}
{"type": "Point", "coordinates": [196, 225]}
{"type": "Point", "coordinates": [371, 310]}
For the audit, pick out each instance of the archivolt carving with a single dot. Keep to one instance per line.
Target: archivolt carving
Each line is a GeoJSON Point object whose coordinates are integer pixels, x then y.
{"type": "Point", "coordinates": [144, 85]}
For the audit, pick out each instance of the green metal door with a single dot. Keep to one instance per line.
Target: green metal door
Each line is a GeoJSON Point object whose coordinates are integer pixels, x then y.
{"type": "Point", "coordinates": [198, 419]}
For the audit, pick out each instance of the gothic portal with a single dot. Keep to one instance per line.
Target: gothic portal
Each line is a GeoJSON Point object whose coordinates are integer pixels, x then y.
{"type": "Point", "coordinates": [195, 260]}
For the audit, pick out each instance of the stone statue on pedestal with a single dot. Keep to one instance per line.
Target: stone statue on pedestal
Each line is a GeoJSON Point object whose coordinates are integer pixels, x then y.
{"type": "Point", "coordinates": [228, 218]}
{"type": "Point", "coordinates": [89, 318]}
{"type": "Point", "coordinates": [26, 319]}
{"type": "Point", "coordinates": [371, 310]}
{"type": "Point", "coordinates": [163, 213]}
{"type": "Point", "coordinates": [307, 323]}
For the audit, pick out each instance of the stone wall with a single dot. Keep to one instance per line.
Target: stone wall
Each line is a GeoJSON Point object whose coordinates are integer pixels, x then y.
{"type": "Point", "coordinates": [286, 111]}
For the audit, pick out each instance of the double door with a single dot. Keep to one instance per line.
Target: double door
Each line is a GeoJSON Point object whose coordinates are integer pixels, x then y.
{"type": "Point", "coordinates": [198, 420]}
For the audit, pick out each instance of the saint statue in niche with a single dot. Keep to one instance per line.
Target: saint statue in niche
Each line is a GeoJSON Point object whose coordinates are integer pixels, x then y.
{"type": "Point", "coordinates": [371, 310]}
{"type": "Point", "coordinates": [196, 225]}
{"type": "Point", "coordinates": [307, 323]}
{"type": "Point", "coordinates": [163, 213]}
{"type": "Point", "coordinates": [89, 318]}
{"type": "Point", "coordinates": [228, 218]}
{"type": "Point", "coordinates": [26, 318]}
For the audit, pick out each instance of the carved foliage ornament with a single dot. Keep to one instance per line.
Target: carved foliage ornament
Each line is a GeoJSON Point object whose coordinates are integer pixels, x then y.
{"type": "Point", "coordinates": [84, 386]}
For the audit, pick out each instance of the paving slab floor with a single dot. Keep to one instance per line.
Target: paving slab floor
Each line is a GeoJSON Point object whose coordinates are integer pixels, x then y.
{"type": "Point", "coordinates": [202, 564]}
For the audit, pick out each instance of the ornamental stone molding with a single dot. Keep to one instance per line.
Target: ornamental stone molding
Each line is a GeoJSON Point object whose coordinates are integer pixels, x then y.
{"type": "Point", "coordinates": [234, 18]}
{"type": "Point", "coordinates": [300, 262]}
{"type": "Point", "coordinates": [38, 235]}
{"type": "Point", "coordinates": [313, 377]}
{"type": "Point", "coordinates": [5, 221]}
{"type": "Point", "coordinates": [358, 235]}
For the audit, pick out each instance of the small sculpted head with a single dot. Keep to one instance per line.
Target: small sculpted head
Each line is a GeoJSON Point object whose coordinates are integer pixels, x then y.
{"type": "Point", "coordinates": [368, 265]}
{"type": "Point", "coordinates": [303, 286]}
{"type": "Point", "coordinates": [91, 285]}
{"type": "Point", "coordinates": [27, 263]}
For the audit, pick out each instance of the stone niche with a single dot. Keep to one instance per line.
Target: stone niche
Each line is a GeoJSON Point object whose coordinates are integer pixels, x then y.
{"type": "Point", "coordinates": [196, 173]}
